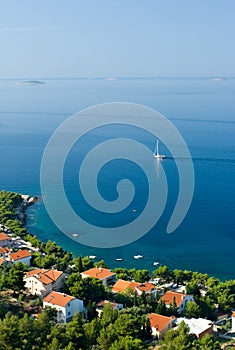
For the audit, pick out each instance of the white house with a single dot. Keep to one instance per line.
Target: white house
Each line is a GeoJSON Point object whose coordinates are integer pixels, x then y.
{"type": "Point", "coordinates": [22, 256]}
{"type": "Point", "coordinates": [233, 322]}
{"type": "Point", "coordinates": [180, 299]}
{"type": "Point", "coordinates": [41, 282]}
{"type": "Point", "coordinates": [160, 324]}
{"type": "Point", "coordinates": [197, 326]}
{"type": "Point", "coordinates": [66, 305]}
{"type": "Point", "coordinates": [102, 303]}
{"type": "Point", "coordinates": [104, 275]}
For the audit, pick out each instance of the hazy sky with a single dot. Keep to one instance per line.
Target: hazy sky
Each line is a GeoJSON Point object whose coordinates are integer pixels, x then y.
{"type": "Point", "coordinates": [74, 38]}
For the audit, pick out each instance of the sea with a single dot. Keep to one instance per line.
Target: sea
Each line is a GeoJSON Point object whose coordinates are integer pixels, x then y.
{"type": "Point", "coordinates": [203, 111]}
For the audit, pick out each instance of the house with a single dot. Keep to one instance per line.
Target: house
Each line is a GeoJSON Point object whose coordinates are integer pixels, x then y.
{"type": "Point", "coordinates": [147, 288]}
{"type": "Point", "coordinates": [41, 282]}
{"type": "Point", "coordinates": [197, 326]}
{"type": "Point", "coordinates": [160, 324]}
{"type": "Point", "coordinates": [233, 322]}
{"type": "Point", "coordinates": [101, 304]}
{"type": "Point", "coordinates": [65, 305]}
{"type": "Point", "coordinates": [121, 286]}
{"type": "Point", "coordinates": [180, 299]}
{"type": "Point", "coordinates": [2, 261]}
{"type": "Point", "coordinates": [22, 256]}
{"type": "Point", "coordinates": [4, 251]}
{"type": "Point", "coordinates": [5, 240]}
{"type": "Point", "coordinates": [104, 275]}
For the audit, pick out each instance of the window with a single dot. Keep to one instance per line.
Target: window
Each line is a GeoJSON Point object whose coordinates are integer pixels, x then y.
{"type": "Point", "coordinates": [69, 313]}
{"type": "Point", "coordinates": [68, 304]}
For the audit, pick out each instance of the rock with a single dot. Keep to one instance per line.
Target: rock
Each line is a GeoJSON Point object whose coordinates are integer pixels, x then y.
{"type": "Point", "coordinates": [25, 197]}
{"type": "Point", "coordinates": [32, 200]}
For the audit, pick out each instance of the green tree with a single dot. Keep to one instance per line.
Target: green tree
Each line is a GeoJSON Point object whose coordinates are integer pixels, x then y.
{"type": "Point", "coordinates": [87, 263]}
{"type": "Point", "coordinates": [207, 308]}
{"type": "Point", "coordinates": [121, 273]}
{"type": "Point", "coordinates": [192, 310]}
{"type": "Point", "coordinates": [148, 329]}
{"type": "Point", "coordinates": [75, 332]}
{"type": "Point", "coordinates": [108, 316]}
{"type": "Point", "coordinates": [127, 343]}
{"type": "Point", "coordinates": [208, 342]}
{"type": "Point", "coordinates": [128, 325]}
{"type": "Point", "coordinates": [141, 276]}
{"type": "Point", "coordinates": [193, 288]}
{"type": "Point", "coordinates": [92, 331]}
{"type": "Point", "coordinates": [179, 339]}
{"type": "Point", "coordinates": [88, 289]}
{"type": "Point", "coordinates": [27, 332]}
{"type": "Point", "coordinates": [178, 276]}
{"type": "Point", "coordinates": [9, 333]}
{"type": "Point", "coordinates": [142, 299]}
{"type": "Point", "coordinates": [161, 308]}
{"type": "Point", "coordinates": [163, 272]}
{"type": "Point", "coordinates": [102, 264]}
{"type": "Point", "coordinates": [79, 264]}
{"type": "Point", "coordinates": [106, 337]}
{"type": "Point", "coordinates": [43, 327]}
{"type": "Point", "coordinates": [15, 276]}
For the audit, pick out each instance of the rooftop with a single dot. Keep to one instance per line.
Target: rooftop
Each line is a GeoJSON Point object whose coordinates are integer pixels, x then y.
{"type": "Point", "coordinates": [4, 250]}
{"type": "Point", "coordinates": [57, 298]}
{"type": "Point", "coordinates": [45, 276]}
{"type": "Point", "coordinates": [169, 297]}
{"type": "Point", "coordinates": [3, 236]}
{"type": "Point", "coordinates": [121, 285]}
{"type": "Point", "coordinates": [102, 303]}
{"type": "Point", "coordinates": [98, 272]}
{"type": "Point", "coordinates": [196, 325]}
{"type": "Point", "coordinates": [20, 254]}
{"type": "Point", "coordinates": [159, 322]}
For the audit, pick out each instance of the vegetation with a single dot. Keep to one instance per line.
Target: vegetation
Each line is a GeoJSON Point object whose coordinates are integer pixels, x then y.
{"type": "Point", "coordinates": [128, 329]}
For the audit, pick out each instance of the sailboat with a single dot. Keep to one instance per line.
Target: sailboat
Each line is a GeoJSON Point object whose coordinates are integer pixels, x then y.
{"type": "Point", "coordinates": [156, 152]}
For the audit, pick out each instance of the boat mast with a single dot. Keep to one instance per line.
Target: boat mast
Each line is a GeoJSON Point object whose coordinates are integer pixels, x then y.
{"type": "Point", "coordinates": [157, 148]}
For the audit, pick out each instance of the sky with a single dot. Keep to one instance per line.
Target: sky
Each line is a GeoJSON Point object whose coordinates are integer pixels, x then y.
{"type": "Point", "coordinates": [94, 38]}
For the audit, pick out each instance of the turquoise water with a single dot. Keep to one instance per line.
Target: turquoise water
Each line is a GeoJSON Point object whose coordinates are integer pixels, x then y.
{"type": "Point", "coordinates": [203, 110]}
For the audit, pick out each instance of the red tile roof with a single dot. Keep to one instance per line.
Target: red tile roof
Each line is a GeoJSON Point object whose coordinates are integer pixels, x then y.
{"type": "Point", "coordinates": [233, 315]}
{"type": "Point", "coordinates": [1, 261]}
{"type": "Point", "coordinates": [57, 298]}
{"type": "Point", "coordinates": [144, 287]}
{"type": "Point", "coordinates": [98, 272]}
{"type": "Point", "coordinates": [169, 298]}
{"type": "Point", "coordinates": [20, 254]}
{"type": "Point", "coordinates": [121, 285]}
{"type": "Point", "coordinates": [104, 302]}
{"type": "Point", "coordinates": [3, 236]}
{"type": "Point", "coordinates": [44, 276]}
{"type": "Point", "coordinates": [4, 250]}
{"type": "Point", "coordinates": [159, 322]}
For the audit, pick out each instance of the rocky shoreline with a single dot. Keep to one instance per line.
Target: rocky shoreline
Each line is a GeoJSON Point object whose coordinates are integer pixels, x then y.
{"type": "Point", "coordinates": [27, 201]}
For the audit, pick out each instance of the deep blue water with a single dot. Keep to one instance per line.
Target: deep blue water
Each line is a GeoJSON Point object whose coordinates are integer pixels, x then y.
{"type": "Point", "coordinates": [203, 110]}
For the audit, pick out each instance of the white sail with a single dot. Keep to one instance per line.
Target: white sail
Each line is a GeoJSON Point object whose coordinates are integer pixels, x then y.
{"type": "Point", "coordinates": [156, 154]}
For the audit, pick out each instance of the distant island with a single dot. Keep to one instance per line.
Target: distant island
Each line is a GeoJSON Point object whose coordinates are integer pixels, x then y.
{"type": "Point", "coordinates": [31, 82]}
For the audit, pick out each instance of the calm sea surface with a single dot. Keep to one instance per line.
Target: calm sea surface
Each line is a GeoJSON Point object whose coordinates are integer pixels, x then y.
{"type": "Point", "coordinates": [203, 110]}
